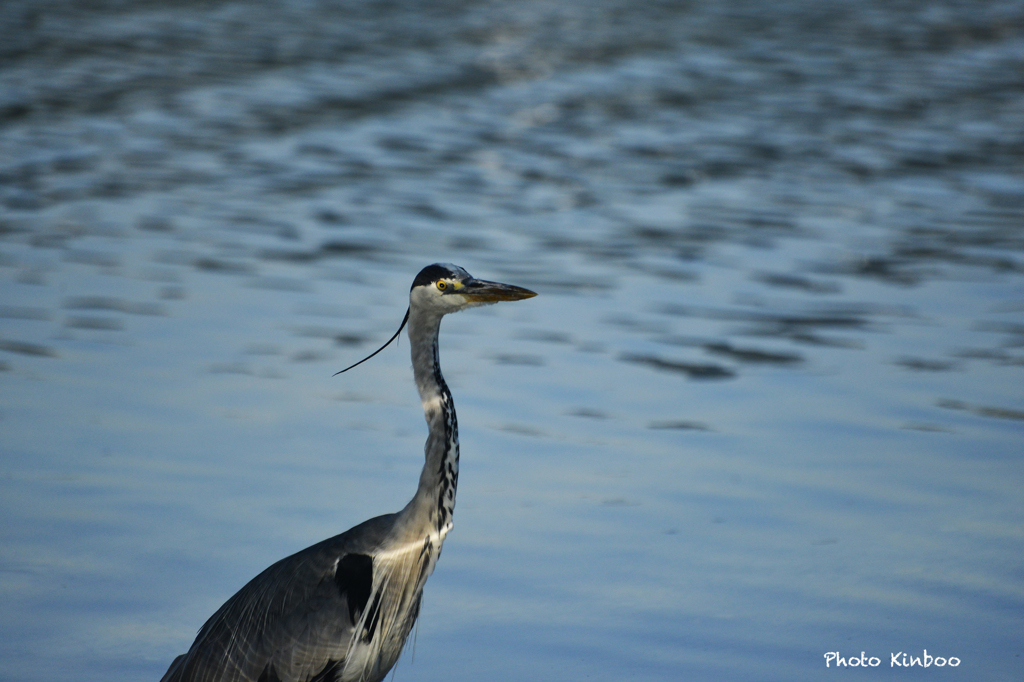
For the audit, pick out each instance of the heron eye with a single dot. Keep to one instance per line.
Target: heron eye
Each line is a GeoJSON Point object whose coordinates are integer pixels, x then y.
{"type": "Point", "coordinates": [442, 285]}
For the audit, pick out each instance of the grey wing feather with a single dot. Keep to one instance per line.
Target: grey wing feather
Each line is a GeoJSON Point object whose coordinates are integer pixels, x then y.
{"type": "Point", "coordinates": [293, 621]}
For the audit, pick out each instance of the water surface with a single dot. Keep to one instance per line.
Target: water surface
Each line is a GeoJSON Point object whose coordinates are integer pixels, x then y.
{"type": "Point", "coordinates": [767, 405]}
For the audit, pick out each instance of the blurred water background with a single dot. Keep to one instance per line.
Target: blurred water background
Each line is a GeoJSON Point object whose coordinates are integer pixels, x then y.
{"type": "Point", "coordinates": [768, 404]}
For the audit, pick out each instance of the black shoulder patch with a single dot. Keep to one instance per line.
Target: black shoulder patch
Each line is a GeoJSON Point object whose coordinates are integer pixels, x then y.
{"type": "Point", "coordinates": [354, 578]}
{"type": "Point", "coordinates": [432, 273]}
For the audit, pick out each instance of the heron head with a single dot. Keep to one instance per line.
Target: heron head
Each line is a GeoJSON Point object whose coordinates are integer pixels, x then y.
{"type": "Point", "coordinates": [446, 288]}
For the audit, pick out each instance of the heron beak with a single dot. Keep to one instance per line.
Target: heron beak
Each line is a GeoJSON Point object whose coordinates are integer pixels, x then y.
{"type": "Point", "coordinates": [482, 291]}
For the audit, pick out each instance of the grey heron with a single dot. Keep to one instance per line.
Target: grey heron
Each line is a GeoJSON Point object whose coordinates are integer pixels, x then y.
{"type": "Point", "coordinates": [341, 610]}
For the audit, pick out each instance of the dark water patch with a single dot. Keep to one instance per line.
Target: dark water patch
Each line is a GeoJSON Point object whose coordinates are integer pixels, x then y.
{"type": "Point", "coordinates": [36, 276]}
{"type": "Point", "coordinates": [426, 209]}
{"type": "Point", "coordinates": [324, 332]}
{"type": "Point", "coordinates": [789, 281]}
{"type": "Point", "coordinates": [619, 502]}
{"type": "Point", "coordinates": [926, 427]}
{"type": "Point", "coordinates": [924, 253]}
{"type": "Point", "coordinates": [633, 324]}
{"type": "Point", "coordinates": [97, 258]}
{"type": "Point", "coordinates": [403, 143]}
{"type": "Point", "coordinates": [336, 249]}
{"type": "Point", "coordinates": [353, 397]}
{"type": "Point", "coordinates": [988, 226]}
{"type": "Point", "coordinates": [95, 323]}
{"type": "Point", "coordinates": [350, 340]}
{"type": "Point", "coordinates": [153, 159]}
{"type": "Point", "coordinates": [18, 199]}
{"type": "Point", "coordinates": [16, 312]}
{"type": "Point", "coordinates": [997, 355]}
{"type": "Point", "coordinates": [521, 359]}
{"type": "Point", "coordinates": [978, 228]}
{"type": "Point", "coordinates": [54, 237]}
{"type": "Point", "coordinates": [26, 348]}
{"type": "Point", "coordinates": [751, 355]}
{"type": "Point", "coordinates": [587, 413]}
{"type": "Point", "coordinates": [885, 268]}
{"type": "Point", "coordinates": [801, 328]}
{"type": "Point", "coordinates": [280, 284]}
{"type": "Point", "coordinates": [522, 430]}
{"type": "Point", "coordinates": [115, 304]}
{"type": "Point", "coordinates": [654, 236]}
{"type": "Point", "coordinates": [679, 179]}
{"type": "Point", "coordinates": [691, 370]}
{"type": "Point", "coordinates": [327, 250]}
{"type": "Point", "coordinates": [317, 150]}
{"type": "Point", "coordinates": [983, 410]}
{"type": "Point", "coordinates": [679, 425]}
{"type": "Point", "coordinates": [726, 349]}
{"type": "Point", "coordinates": [544, 336]}
{"type": "Point", "coordinates": [813, 339]}
{"type": "Point", "coordinates": [263, 227]}
{"type": "Point", "coordinates": [806, 331]}
{"type": "Point", "coordinates": [675, 275]}
{"type": "Point", "coordinates": [848, 317]}
{"type": "Point", "coordinates": [332, 218]}
{"type": "Point", "coordinates": [345, 339]}
{"type": "Point", "coordinates": [1015, 330]}
{"type": "Point", "coordinates": [305, 183]}
{"type": "Point", "coordinates": [50, 162]}
{"type": "Point", "coordinates": [310, 356]}
{"type": "Point", "coordinates": [594, 248]}
{"type": "Point", "coordinates": [222, 266]}
{"type": "Point", "coordinates": [151, 223]}
{"type": "Point", "coordinates": [688, 243]}
{"type": "Point", "coordinates": [713, 223]}
{"type": "Point", "coordinates": [175, 257]}
{"type": "Point", "coordinates": [291, 255]}
{"type": "Point", "coordinates": [466, 243]}
{"type": "Point", "coordinates": [927, 365]}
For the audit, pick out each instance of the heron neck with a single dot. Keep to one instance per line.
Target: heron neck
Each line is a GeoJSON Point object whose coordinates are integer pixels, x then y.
{"type": "Point", "coordinates": [434, 502]}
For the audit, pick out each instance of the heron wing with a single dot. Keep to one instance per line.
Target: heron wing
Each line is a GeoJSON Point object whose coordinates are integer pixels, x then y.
{"type": "Point", "coordinates": [294, 621]}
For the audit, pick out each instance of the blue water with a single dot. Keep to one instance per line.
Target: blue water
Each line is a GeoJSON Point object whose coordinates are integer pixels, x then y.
{"type": "Point", "coordinates": [766, 406]}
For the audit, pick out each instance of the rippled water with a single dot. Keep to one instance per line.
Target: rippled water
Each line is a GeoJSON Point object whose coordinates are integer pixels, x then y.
{"type": "Point", "coordinates": [768, 404]}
